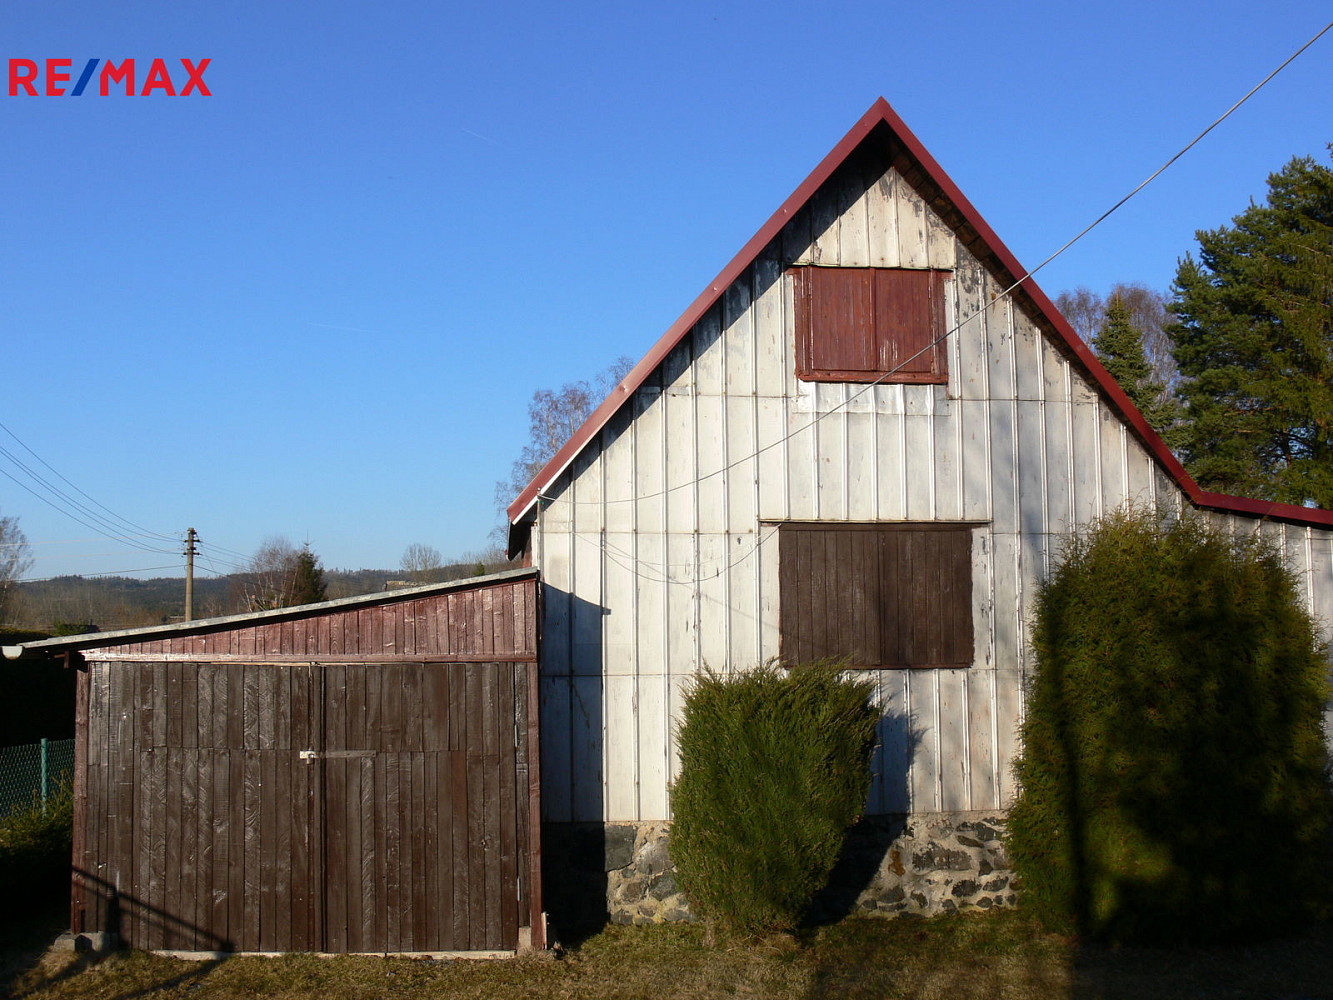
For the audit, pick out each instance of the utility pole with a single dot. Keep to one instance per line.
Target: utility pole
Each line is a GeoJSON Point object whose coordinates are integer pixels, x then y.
{"type": "Point", "coordinates": [191, 538]}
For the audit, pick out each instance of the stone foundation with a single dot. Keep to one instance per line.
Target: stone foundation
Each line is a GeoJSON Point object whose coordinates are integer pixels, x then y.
{"type": "Point", "coordinates": [898, 866]}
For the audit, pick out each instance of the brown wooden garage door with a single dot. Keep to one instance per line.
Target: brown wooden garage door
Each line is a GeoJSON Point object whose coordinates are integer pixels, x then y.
{"type": "Point", "coordinates": [361, 807]}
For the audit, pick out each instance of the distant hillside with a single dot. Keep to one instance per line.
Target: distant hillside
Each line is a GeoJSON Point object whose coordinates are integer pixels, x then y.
{"type": "Point", "coordinates": [71, 604]}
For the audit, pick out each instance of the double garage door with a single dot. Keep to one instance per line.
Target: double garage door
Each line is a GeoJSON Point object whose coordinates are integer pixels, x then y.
{"type": "Point", "coordinates": [305, 806]}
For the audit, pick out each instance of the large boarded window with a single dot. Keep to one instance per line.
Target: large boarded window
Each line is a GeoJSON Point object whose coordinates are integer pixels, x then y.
{"type": "Point", "coordinates": [864, 324]}
{"type": "Point", "coordinates": [881, 595]}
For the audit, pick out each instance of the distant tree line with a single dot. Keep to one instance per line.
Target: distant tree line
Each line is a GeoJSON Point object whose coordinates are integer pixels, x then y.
{"type": "Point", "coordinates": [279, 574]}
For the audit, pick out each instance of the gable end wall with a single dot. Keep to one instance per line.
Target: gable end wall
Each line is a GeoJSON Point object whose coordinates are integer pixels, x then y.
{"type": "Point", "coordinates": [654, 561]}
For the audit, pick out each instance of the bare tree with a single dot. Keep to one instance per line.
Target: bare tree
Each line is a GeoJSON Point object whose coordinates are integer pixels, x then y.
{"type": "Point", "coordinates": [553, 417]}
{"type": "Point", "coordinates": [270, 578]}
{"type": "Point", "coordinates": [422, 563]}
{"type": "Point", "coordinates": [15, 560]}
{"type": "Point", "coordinates": [1146, 308]}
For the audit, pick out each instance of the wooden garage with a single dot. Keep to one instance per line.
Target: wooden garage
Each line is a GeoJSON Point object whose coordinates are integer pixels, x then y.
{"type": "Point", "coordinates": [354, 776]}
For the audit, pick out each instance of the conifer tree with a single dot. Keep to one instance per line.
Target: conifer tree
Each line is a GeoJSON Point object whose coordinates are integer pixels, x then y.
{"type": "Point", "coordinates": [308, 585]}
{"type": "Point", "coordinates": [1254, 341]}
{"type": "Point", "coordinates": [1119, 345]}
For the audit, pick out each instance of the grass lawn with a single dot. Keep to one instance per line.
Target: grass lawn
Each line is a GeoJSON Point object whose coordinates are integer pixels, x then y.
{"type": "Point", "coordinates": [984, 955]}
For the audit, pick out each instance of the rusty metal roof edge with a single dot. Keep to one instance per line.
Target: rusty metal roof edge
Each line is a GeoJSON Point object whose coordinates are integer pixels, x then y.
{"type": "Point", "coordinates": [92, 640]}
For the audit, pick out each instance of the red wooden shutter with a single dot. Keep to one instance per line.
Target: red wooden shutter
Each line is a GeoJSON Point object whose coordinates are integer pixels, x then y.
{"type": "Point", "coordinates": [862, 324]}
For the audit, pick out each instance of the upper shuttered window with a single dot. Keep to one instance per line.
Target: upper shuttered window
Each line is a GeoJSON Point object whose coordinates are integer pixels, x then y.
{"type": "Point", "coordinates": [865, 324]}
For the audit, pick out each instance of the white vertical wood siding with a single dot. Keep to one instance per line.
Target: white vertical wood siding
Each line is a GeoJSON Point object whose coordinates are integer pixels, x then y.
{"type": "Point", "coordinates": [657, 557]}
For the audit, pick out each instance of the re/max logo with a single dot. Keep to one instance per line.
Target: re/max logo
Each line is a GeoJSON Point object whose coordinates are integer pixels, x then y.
{"type": "Point", "coordinates": [26, 77]}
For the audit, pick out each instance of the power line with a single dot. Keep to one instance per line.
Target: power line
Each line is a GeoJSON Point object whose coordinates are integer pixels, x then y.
{"type": "Point", "coordinates": [961, 323]}
{"type": "Point", "coordinates": [124, 540]}
{"type": "Point", "coordinates": [54, 471]}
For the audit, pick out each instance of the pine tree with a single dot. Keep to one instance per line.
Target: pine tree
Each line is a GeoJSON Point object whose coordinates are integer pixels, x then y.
{"type": "Point", "coordinates": [1254, 341]}
{"type": "Point", "coordinates": [308, 585]}
{"type": "Point", "coordinates": [1119, 345]}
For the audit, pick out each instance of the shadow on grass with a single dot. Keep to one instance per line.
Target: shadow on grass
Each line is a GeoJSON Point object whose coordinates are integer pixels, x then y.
{"type": "Point", "coordinates": [1007, 955]}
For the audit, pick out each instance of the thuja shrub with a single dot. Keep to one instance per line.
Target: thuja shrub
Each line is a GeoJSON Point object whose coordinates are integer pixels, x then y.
{"type": "Point", "coordinates": [1171, 775]}
{"type": "Point", "coordinates": [774, 766]}
{"type": "Point", "coordinates": [35, 845]}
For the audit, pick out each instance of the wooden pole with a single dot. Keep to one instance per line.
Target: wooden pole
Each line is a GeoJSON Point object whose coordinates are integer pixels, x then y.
{"type": "Point", "coordinates": [191, 536]}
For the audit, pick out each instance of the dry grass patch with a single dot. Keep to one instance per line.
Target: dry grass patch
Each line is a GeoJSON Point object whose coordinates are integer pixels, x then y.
{"type": "Point", "coordinates": [997, 955]}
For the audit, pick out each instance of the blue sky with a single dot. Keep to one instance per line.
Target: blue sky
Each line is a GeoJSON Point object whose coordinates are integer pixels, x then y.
{"type": "Point", "coordinates": [317, 302]}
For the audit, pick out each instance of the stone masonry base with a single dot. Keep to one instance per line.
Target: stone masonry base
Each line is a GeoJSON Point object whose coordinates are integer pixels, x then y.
{"type": "Point", "coordinates": [896, 866]}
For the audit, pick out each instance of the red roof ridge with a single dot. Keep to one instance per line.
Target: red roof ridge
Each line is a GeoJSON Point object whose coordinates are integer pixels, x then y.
{"type": "Point", "coordinates": [880, 113]}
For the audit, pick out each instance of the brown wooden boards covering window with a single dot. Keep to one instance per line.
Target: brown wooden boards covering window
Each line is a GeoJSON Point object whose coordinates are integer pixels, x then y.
{"type": "Point", "coordinates": [880, 595]}
{"type": "Point", "coordinates": [859, 324]}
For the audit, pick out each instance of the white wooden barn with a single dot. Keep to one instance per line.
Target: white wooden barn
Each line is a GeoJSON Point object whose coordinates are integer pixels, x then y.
{"type": "Point", "coordinates": [794, 469]}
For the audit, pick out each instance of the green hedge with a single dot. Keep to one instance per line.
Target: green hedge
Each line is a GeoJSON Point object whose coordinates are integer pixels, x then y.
{"type": "Point", "coordinates": [35, 847]}
{"type": "Point", "coordinates": [774, 768]}
{"type": "Point", "coordinates": [1172, 772]}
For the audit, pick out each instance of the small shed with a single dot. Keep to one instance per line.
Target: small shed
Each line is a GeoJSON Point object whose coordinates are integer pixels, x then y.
{"type": "Point", "coordinates": [355, 776]}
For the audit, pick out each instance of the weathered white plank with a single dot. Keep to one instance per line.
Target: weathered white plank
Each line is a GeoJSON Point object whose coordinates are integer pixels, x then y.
{"type": "Point", "coordinates": [622, 741]}
{"type": "Point", "coordinates": [586, 605]}
{"type": "Point", "coordinates": [941, 245]}
{"type": "Point", "coordinates": [557, 581]}
{"type": "Point", "coordinates": [1112, 452]}
{"type": "Point", "coordinates": [797, 239]}
{"type": "Point", "coordinates": [971, 380]}
{"type": "Point", "coordinates": [738, 346]}
{"type": "Point", "coordinates": [862, 462]}
{"type": "Point", "coordinates": [1031, 462]}
{"type": "Point", "coordinates": [681, 461]}
{"type": "Point", "coordinates": [620, 653]}
{"type": "Point", "coordinates": [708, 352]}
{"type": "Point", "coordinates": [955, 765]}
{"type": "Point", "coordinates": [882, 220]}
{"type": "Point", "coordinates": [714, 601]}
{"type": "Point", "coordinates": [983, 599]}
{"type": "Point", "coordinates": [773, 360]}
{"type": "Point", "coordinates": [1008, 712]}
{"type": "Point", "coordinates": [891, 464]}
{"type": "Point", "coordinates": [918, 457]}
{"type": "Point", "coordinates": [981, 738]}
{"type": "Point", "coordinates": [922, 702]}
{"type": "Point", "coordinates": [654, 745]}
{"type": "Point", "coordinates": [912, 240]}
{"type": "Point", "coordinates": [618, 472]}
{"type": "Point", "coordinates": [895, 742]}
{"type": "Point", "coordinates": [1007, 607]}
{"type": "Point", "coordinates": [681, 564]}
{"type": "Point", "coordinates": [649, 462]}
{"type": "Point", "coordinates": [1087, 463]}
{"type": "Point", "coordinates": [948, 442]}
{"type": "Point", "coordinates": [824, 227]}
{"type": "Point", "coordinates": [710, 450]}
{"type": "Point", "coordinates": [557, 805]}
{"type": "Point", "coordinates": [1059, 467]}
{"type": "Point", "coordinates": [1003, 469]}
{"type": "Point", "coordinates": [1029, 379]}
{"type": "Point", "coordinates": [587, 748]}
{"type": "Point", "coordinates": [743, 608]}
{"type": "Point", "coordinates": [853, 240]}
{"type": "Point", "coordinates": [774, 488]}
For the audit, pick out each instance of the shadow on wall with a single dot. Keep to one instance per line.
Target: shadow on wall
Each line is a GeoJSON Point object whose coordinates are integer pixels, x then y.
{"type": "Point", "coordinates": [868, 843]}
{"type": "Point", "coordinates": [574, 838]}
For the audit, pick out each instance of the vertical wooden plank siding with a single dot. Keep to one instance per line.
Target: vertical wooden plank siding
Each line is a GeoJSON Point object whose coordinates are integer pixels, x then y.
{"type": "Point", "coordinates": [1017, 444]}
{"type": "Point", "coordinates": [275, 806]}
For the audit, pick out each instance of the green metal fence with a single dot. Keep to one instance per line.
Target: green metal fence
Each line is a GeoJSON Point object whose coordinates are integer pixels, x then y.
{"type": "Point", "coordinates": [31, 771]}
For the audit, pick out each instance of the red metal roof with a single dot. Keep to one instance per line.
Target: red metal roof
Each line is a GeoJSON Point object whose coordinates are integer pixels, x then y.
{"type": "Point", "coordinates": [882, 115]}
